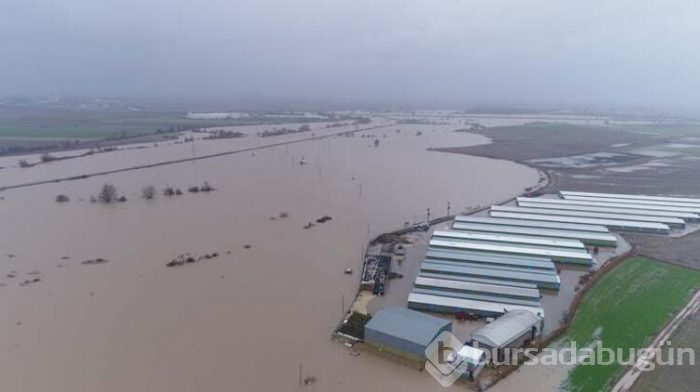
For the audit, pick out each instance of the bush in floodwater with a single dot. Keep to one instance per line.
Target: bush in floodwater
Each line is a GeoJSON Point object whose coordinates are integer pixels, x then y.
{"type": "Point", "coordinates": [108, 193]}
{"type": "Point", "coordinates": [193, 189]}
{"type": "Point", "coordinates": [148, 192]}
{"type": "Point", "coordinates": [23, 163]}
{"type": "Point", "coordinates": [206, 187]}
{"type": "Point", "coordinates": [62, 199]}
{"type": "Point", "coordinates": [169, 191]}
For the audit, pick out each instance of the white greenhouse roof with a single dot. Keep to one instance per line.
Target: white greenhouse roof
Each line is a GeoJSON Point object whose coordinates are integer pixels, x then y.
{"type": "Point", "coordinates": [639, 226]}
{"type": "Point", "coordinates": [465, 305]}
{"type": "Point", "coordinates": [634, 197]}
{"type": "Point", "coordinates": [528, 223]}
{"type": "Point", "coordinates": [554, 254]}
{"type": "Point", "coordinates": [610, 204]}
{"type": "Point", "coordinates": [595, 215]}
{"type": "Point", "coordinates": [557, 243]}
{"type": "Point", "coordinates": [583, 236]}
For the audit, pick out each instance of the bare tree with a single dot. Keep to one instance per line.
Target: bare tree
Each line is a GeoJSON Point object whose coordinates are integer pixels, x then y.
{"type": "Point", "coordinates": [46, 157]}
{"type": "Point", "coordinates": [108, 193]}
{"type": "Point", "coordinates": [148, 192]}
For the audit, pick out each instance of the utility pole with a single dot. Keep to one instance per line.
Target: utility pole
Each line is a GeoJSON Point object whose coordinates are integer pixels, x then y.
{"type": "Point", "coordinates": [448, 208]}
{"type": "Point", "coordinates": [342, 303]}
{"type": "Point", "coordinates": [428, 216]}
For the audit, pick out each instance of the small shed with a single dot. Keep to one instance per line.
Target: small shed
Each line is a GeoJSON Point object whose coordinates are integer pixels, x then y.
{"type": "Point", "coordinates": [404, 332]}
{"type": "Point", "coordinates": [514, 329]}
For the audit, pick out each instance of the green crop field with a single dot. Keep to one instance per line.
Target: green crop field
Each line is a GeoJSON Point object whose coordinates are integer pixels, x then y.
{"type": "Point", "coordinates": [625, 309]}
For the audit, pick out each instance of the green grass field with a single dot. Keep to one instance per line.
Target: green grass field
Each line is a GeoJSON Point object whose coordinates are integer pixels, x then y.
{"type": "Point", "coordinates": [628, 306]}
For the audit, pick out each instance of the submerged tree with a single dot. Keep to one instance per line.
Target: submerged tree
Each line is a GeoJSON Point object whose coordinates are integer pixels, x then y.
{"type": "Point", "coordinates": [108, 193]}
{"type": "Point", "coordinates": [148, 192]}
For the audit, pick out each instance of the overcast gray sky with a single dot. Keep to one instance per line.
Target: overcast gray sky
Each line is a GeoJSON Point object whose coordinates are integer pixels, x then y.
{"type": "Point", "coordinates": [639, 52]}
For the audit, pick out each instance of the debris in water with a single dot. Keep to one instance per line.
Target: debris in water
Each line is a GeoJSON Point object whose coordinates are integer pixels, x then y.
{"type": "Point", "coordinates": [323, 219]}
{"type": "Point", "coordinates": [98, 260]}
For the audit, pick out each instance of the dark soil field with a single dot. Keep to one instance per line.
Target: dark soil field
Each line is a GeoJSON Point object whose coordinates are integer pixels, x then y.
{"type": "Point", "coordinates": [545, 140]}
{"type": "Point", "coordinates": [682, 251]}
{"type": "Point", "coordinates": [627, 172]}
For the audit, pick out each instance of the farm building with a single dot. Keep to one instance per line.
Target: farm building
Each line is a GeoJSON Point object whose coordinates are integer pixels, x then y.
{"type": "Point", "coordinates": [558, 255]}
{"type": "Point", "coordinates": [622, 212]}
{"type": "Point", "coordinates": [588, 238]}
{"type": "Point", "coordinates": [620, 204]}
{"type": "Point", "coordinates": [619, 225]}
{"type": "Point", "coordinates": [449, 285]}
{"type": "Point", "coordinates": [632, 201]}
{"type": "Point", "coordinates": [440, 304]}
{"type": "Point", "coordinates": [515, 329]}
{"type": "Point", "coordinates": [485, 297]}
{"type": "Point", "coordinates": [404, 332]}
{"type": "Point", "coordinates": [510, 239]}
{"type": "Point", "coordinates": [547, 281]}
{"type": "Point", "coordinates": [671, 222]}
{"type": "Point", "coordinates": [494, 282]}
{"type": "Point", "coordinates": [489, 260]}
{"type": "Point", "coordinates": [633, 197]}
{"type": "Point", "coordinates": [529, 223]}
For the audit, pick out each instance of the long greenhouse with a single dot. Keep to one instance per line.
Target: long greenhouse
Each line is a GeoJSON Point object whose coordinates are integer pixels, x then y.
{"type": "Point", "coordinates": [671, 222]}
{"type": "Point", "coordinates": [563, 256]}
{"type": "Point", "coordinates": [547, 281]}
{"type": "Point", "coordinates": [633, 197]}
{"type": "Point", "coordinates": [528, 223]}
{"type": "Point", "coordinates": [477, 288]}
{"type": "Point", "coordinates": [440, 304]}
{"type": "Point", "coordinates": [588, 238]}
{"type": "Point", "coordinates": [619, 225]}
{"type": "Point", "coordinates": [510, 239]}
{"type": "Point", "coordinates": [618, 204]}
{"type": "Point", "coordinates": [632, 201]}
{"type": "Point", "coordinates": [686, 216]}
{"type": "Point", "coordinates": [489, 259]}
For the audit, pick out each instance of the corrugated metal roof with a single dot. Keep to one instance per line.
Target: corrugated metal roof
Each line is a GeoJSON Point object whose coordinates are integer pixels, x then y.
{"type": "Point", "coordinates": [634, 197]}
{"type": "Point", "coordinates": [512, 239]}
{"type": "Point", "coordinates": [610, 204]}
{"type": "Point", "coordinates": [464, 305]}
{"type": "Point", "coordinates": [686, 216]}
{"type": "Point", "coordinates": [527, 223]}
{"type": "Point", "coordinates": [549, 280]}
{"type": "Point", "coordinates": [631, 201]}
{"type": "Point", "coordinates": [595, 215]}
{"type": "Point", "coordinates": [489, 259]}
{"type": "Point", "coordinates": [464, 263]}
{"type": "Point", "coordinates": [495, 282]}
{"type": "Point", "coordinates": [478, 297]}
{"type": "Point", "coordinates": [585, 237]}
{"type": "Point", "coordinates": [506, 328]}
{"type": "Point", "coordinates": [637, 226]}
{"type": "Point", "coordinates": [407, 324]}
{"type": "Point", "coordinates": [426, 282]}
{"type": "Point", "coordinates": [554, 254]}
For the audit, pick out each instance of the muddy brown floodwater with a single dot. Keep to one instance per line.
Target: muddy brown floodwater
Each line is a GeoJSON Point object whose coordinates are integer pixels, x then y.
{"type": "Point", "coordinates": [247, 319]}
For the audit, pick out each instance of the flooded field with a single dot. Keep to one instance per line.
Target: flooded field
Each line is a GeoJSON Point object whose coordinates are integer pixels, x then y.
{"type": "Point", "coordinates": [260, 310]}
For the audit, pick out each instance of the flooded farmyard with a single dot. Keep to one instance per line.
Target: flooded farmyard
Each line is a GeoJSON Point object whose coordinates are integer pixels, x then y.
{"type": "Point", "coordinates": [260, 310]}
